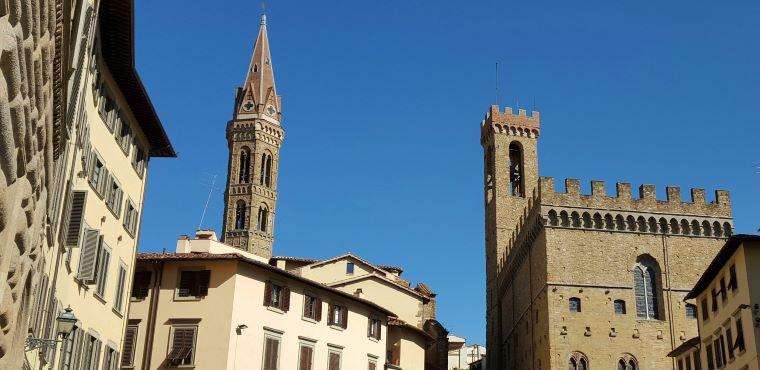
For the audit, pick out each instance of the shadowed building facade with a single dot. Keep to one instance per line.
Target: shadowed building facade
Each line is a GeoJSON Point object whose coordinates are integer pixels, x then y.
{"type": "Point", "coordinates": [586, 280]}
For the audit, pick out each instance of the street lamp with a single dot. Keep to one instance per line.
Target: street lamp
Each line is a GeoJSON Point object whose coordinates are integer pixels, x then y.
{"type": "Point", "coordinates": [65, 320]}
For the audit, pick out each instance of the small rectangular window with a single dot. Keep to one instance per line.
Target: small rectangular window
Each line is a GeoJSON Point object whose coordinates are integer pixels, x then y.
{"type": "Point", "coordinates": [723, 294]}
{"type": "Point", "coordinates": [312, 307]}
{"type": "Point", "coordinates": [730, 341]}
{"type": "Point", "coordinates": [139, 160]}
{"type": "Point", "coordinates": [374, 327]}
{"type": "Point", "coordinates": [732, 282]}
{"type": "Point", "coordinates": [120, 281]}
{"type": "Point", "coordinates": [350, 268]}
{"type": "Point", "coordinates": [338, 316]}
{"type": "Point", "coordinates": [714, 300]}
{"type": "Point", "coordinates": [619, 307]}
{"type": "Point", "coordinates": [125, 136]}
{"type": "Point", "coordinates": [334, 359]}
{"type": "Point", "coordinates": [575, 304]}
{"type": "Point", "coordinates": [691, 311]}
{"type": "Point", "coordinates": [277, 296]}
{"type": "Point", "coordinates": [182, 349]}
{"type": "Point", "coordinates": [306, 356]}
{"type": "Point", "coordinates": [193, 283]}
{"type": "Point", "coordinates": [705, 313]}
{"type": "Point", "coordinates": [114, 195]}
{"type": "Point", "coordinates": [130, 341]}
{"type": "Point", "coordinates": [141, 284]}
{"type": "Point", "coordinates": [130, 218]}
{"type": "Point", "coordinates": [718, 355]}
{"type": "Point", "coordinates": [372, 364]}
{"type": "Point", "coordinates": [271, 352]}
{"type": "Point", "coordinates": [88, 256]}
{"type": "Point", "coordinates": [104, 260]}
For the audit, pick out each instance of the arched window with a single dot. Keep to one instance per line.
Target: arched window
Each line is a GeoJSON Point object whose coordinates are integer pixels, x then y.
{"type": "Point", "coordinates": [516, 183]}
{"type": "Point", "coordinates": [706, 228]}
{"type": "Point", "coordinates": [587, 220]}
{"type": "Point", "coordinates": [240, 215]}
{"type": "Point", "coordinates": [575, 304]}
{"type": "Point", "coordinates": [577, 361]}
{"type": "Point", "coordinates": [646, 286]}
{"type": "Point", "coordinates": [717, 230]}
{"type": "Point", "coordinates": [266, 170]}
{"type": "Point", "coordinates": [652, 225]}
{"type": "Point", "coordinates": [244, 172]}
{"type": "Point", "coordinates": [619, 306]}
{"type": "Point", "coordinates": [576, 219]}
{"type": "Point", "coordinates": [553, 220]}
{"type": "Point", "coordinates": [630, 222]}
{"type": "Point", "coordinates": [727, 229]}
{"type": "Point", "coordinates": [627, 362]}
{"type": "Point", "coordinates": [262, 219]}
{"type": "Point", "coordinates": [695, 228]}
{"type": "Point", "coordinates": [598, 221]}
{"type": "Point", "coordinates": [641, 224]}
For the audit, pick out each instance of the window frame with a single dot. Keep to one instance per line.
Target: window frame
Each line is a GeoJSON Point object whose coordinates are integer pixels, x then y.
{"type": "Point", "coordinates": [316, 303]}
{"type": "Point", "coordinates": [136, 329]}
{"type": "Point", "coordinates": [277, 337]}
{"type": "Point", "coordinates": [190, 296]}
{"type": "Point", "coordinates": [574, 305]}
{"type": "Point", "coordinates": [334, 350]}
{"type": "Point", "coordinates": [121, 283]}
{"type": "Point", "coordinates": [308, 344]}
{"type": "Point", "coordinates": [193, 346]}
{"type": "Point", "coordinates": [101, 270]}
{"type": "Point", "coordinates": [623, 309]}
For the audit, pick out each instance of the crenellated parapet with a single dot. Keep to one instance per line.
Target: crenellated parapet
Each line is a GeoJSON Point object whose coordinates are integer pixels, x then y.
{"type": "Point", "coordinates": [642, 214]}
{"type": "Point", "coordinates": [509, 123]}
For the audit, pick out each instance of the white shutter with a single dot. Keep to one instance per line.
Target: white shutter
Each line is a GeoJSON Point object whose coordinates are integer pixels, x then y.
{"type": "Point", "coordinates": [88, 255]}
{"type": "Point", "coordinates": [102, 268]}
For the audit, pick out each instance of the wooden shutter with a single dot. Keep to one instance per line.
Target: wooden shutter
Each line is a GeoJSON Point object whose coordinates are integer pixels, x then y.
{"type": "Point", "coordinates": [182, 344]}
{"type": "Point", "coordinates": [306, 358]}
{"type": "Point", "coordinates": [372, 366]}
{"type": "Point", "coordinates": [73, 223]}
{"type": "Point", "coordinates": [379, 332]}
{"type": "Point", "coordinates": [96, 352]}
{"type": "Point", "coordinates": [271, 349]}
{"type": "Point", "coordinates": [285, 298]}
{"type": "Point", "coordinates": [186, 279]}
{"type": "Point", "coordinates": [344, 317]}
{"type": "Point", "coordinates": [130, 339]}
{"type": "Point", "coordinates": [204, 277]}
{"type": "Point", "coordinates": [318, 310]}
{"type": "Point", "coordinates": [88, 255]}
{"type": "Point", "coordinates": [334, 361]}
{"type": "Point", "coordinates": [141, 284]}
{"type": "Point", "coordinates": [369, 328]}
{"type": "Point", "coordinates": [330, 313]}
{"type": "Point", "coordinates": [268, 293]}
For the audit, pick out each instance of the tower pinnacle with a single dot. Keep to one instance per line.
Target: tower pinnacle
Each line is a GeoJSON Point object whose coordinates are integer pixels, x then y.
{"type": "Point", "coordinates": [259, 95]}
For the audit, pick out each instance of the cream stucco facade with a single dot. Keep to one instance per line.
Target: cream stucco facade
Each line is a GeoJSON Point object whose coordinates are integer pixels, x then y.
{"type": "Point", "coordinates": [232, 320]}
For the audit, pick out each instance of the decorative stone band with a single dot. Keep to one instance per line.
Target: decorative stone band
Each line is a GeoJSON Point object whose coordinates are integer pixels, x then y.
{"type": "Point", "coordinates": [245, 189]}
{"type": "Point", "coordinates": [635, 222]}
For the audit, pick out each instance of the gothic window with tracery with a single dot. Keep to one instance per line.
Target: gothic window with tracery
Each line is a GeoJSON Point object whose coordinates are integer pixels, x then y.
{"type": "Point", "coordinates": [627, 362]}
{"type": "Point", "coordinates": [646, 287]}
{"type": "Point", "coordinates": [245, 167]}
{"type": "Point", "coordinates": [516, 170]}
{"type": "Point", "coordinates": [266, 170]}
{"type": "Point", "coordinates": [577, 361]}
{"type": "Point", "coordinates": [262, 219]}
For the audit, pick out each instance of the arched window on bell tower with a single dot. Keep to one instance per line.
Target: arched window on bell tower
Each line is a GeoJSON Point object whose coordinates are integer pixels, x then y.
{"type": "Point", "coordinates": [516, 173]}
{"type": "Point", "coordinates": [245, 166]}
{"type": "Point", "coordinates": [262, 219]}
{"type": "Point", "coordinates": [240, 215]}
{"type": "Point", "coordinates": [266, 170]}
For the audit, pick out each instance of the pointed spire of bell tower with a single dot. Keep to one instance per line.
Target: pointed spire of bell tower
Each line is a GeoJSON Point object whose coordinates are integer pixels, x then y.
{"type": "Point", "coordinates": [258, 94]}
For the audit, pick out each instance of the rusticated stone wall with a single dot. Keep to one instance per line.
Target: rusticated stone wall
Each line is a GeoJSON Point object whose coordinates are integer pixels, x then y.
{"type": "Point", "coordinates": [27, 101]}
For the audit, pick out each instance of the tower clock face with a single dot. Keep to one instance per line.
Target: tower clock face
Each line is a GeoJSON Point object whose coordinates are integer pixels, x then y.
{"type": "Point", "coordinates": [248, 105]}
{"type": "Point", "coordinates": [271, 110]}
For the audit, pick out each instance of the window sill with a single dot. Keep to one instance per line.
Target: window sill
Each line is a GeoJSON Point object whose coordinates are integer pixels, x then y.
{"type": "Point", "coordinates": [129, 232]}
{"type": "Point", "coordinates": [95, 189]}
{"type": "Point", "coordinates": [189, 298]}
{"type": "Point", "coordinates": [275, 309]}
{"type": "Point", "coordinates": [135, 299]}
{"type": "Point", "coordinates": [373, 339]}
{"type": "Point", "coordinates": [117, 312]}
{"type": "Point", "coordinates": [99, 297]}
{"type": "Point", "coordinates": [336, 327]}
{"type": "Point", "coordinates": [308, 319]}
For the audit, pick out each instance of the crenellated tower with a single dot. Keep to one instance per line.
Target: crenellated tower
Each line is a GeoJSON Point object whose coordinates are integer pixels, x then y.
{"type": "Point", "coordinates": [254, 137]}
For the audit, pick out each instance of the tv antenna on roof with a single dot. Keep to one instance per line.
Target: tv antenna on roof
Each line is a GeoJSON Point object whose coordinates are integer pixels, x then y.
{"type": "Point", "coordinates": [211, 186]}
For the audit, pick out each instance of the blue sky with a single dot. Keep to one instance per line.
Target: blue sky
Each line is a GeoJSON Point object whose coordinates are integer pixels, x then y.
{"type": "Point", "coordinates": [382, 102]}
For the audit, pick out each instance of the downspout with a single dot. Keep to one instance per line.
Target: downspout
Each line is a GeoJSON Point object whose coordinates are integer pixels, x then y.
{"type": "Point", "coordinates": [670, 296]}
{"type": "Point", "coordinates": [152, 313]}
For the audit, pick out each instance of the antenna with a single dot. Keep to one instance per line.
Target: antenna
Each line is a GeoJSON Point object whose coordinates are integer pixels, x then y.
{"type": "Point", "coordinates": [497, 83]}
{"type": "Point", "coordinates": [264, 6]}
{"type": "Point", "coordinates": [205, 207]}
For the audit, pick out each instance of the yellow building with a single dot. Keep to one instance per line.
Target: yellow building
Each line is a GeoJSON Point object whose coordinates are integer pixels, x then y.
{"type": "Point", "coordinates": [212, 306]}
{"type": "Point", "coordinates": [100, 177]}
{"type": "Point", "coordinates": [728, 310]}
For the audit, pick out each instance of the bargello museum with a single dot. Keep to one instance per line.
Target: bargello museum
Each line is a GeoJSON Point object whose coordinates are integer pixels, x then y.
{"type": "Point", "coordinates": [584, 281]}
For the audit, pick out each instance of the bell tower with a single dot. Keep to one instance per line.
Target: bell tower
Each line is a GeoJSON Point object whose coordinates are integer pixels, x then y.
{"type": "Point", "coordinates": [254, 137]}
{"type": "Point", "coordinates": [510, 151]}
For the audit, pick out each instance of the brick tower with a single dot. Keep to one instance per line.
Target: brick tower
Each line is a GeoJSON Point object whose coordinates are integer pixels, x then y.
{"type": "Point", "coordinates": [254, 136]}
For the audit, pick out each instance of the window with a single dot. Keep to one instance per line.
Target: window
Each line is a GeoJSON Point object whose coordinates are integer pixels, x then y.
{"type": "Point", "coordinates": [333, 359]}
{"type": "Point", "coordinates": [130, 218]}
{"type": "Point", "coordinates": [240, 215]}
{"type": "Point", "coordinates": [646, 287]}
{"type": "Point", "coordinates": [73, 223]}
{"type": "Point", "coordinates": [697, 360]}
{"type": "Point", "coordinates": [374, 328]}
{"type": "Point", "coordinates": [720, 352]}
{"type": "Point", "coordinates": [67, 349]}
{"type": "Point", "coordinates": [141, 284]}
{"type": "Point", "coordinates": [714, 300]}
{"type": "Point", "coordinates": [739, 342]}
{"type": "Point", "coordinates": [372, 364]}
{"type": "Point", "coordinates": [139, 160]}
{"type": "Point", "coordinates": [516, 170]}
{"type": "Point", "coordinates": [271, 352]}
{"type": "Point", "coordinates": [619, 306]}
{"type": "Point", "coordinates": [723, 294]}
{"type": "Point", "coordinates": [88, 256]}
{"type": "Point", "coordinates": [577, 361]}
{"type": "Point", "coordinates": [575, 304]}
{"type": "Point", "coordinates": [91, 355]}
{"type": "Point", "coordinates": [193, 283]}
{"type": "Point", "coordinates": [266, 170]}
{"type": "Point", "coordinates": [182, 350]}
{"type": "Point", "coordinates": [306, 356]}
{"type": "Point", "coordinates": [130, 341]}
{"type": "Point", "coordinates": [691, 311]}
{"type": "Point", "coordinates": [262, 219]}
{"type": "Point", "coordinates": [277, 296]}
{"type": "Point", "coordinates": [121, 279]}
{"type": "Point", "coordinates": [627, 362]}
{"type": "Point", "coordinates": [98, 174]}
{"type": "Point", "coordinates": [114, 195]}
{"type": "Point", "coordinates": [729, 341]}
{"type": "Point", "coordinates": [350, 268]}
{"type": "Point", "coordinates": [102, 270]}
{"type": "Point", "coordinates": [124, 137]}
{"type": "Point", "coordinates": [312, 307]}
{"type": "Point", "coordinates": [338, 316]}
{"type": "Point", "coordinates": [705, 313]}
{"type": "Point", "coordinates": [244, 172]}
{"type": "Point", "coordinates": [710, 359]}
{"type": "Point", "coordinates": [680, 364]}
{"type": "Point", "coordinates": [732, 282]}
{"type": "Point", "coordinates": [110, 359]}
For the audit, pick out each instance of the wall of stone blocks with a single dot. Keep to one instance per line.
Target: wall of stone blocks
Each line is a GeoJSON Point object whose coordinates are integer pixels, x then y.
{"type": "Point", "coordinates": [27, 52]}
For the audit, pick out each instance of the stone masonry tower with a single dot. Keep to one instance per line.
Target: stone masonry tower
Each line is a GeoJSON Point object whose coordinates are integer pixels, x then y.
{"type": "Point", "coordinates": [254, 136]}
{"type": "Point", "coordinates": [511, 175]}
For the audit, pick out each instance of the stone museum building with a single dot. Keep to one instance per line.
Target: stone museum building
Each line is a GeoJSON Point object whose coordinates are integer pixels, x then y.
{"type": "Point", "coordinates": [578, 281]}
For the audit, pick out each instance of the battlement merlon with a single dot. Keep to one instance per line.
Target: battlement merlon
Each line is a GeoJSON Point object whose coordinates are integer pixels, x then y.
{"type": "Point", "coordinates": [520, 124]}
{"type": "Point", "coordinates": [646, 201]}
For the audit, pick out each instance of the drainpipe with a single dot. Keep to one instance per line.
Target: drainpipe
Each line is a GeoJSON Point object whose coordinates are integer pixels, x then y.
{"type": "Point", "coordinates": [152, 313]}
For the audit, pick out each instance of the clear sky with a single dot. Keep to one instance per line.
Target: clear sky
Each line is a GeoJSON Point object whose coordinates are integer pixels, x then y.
{"type": "Point", "coordinates": [382, 102]}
